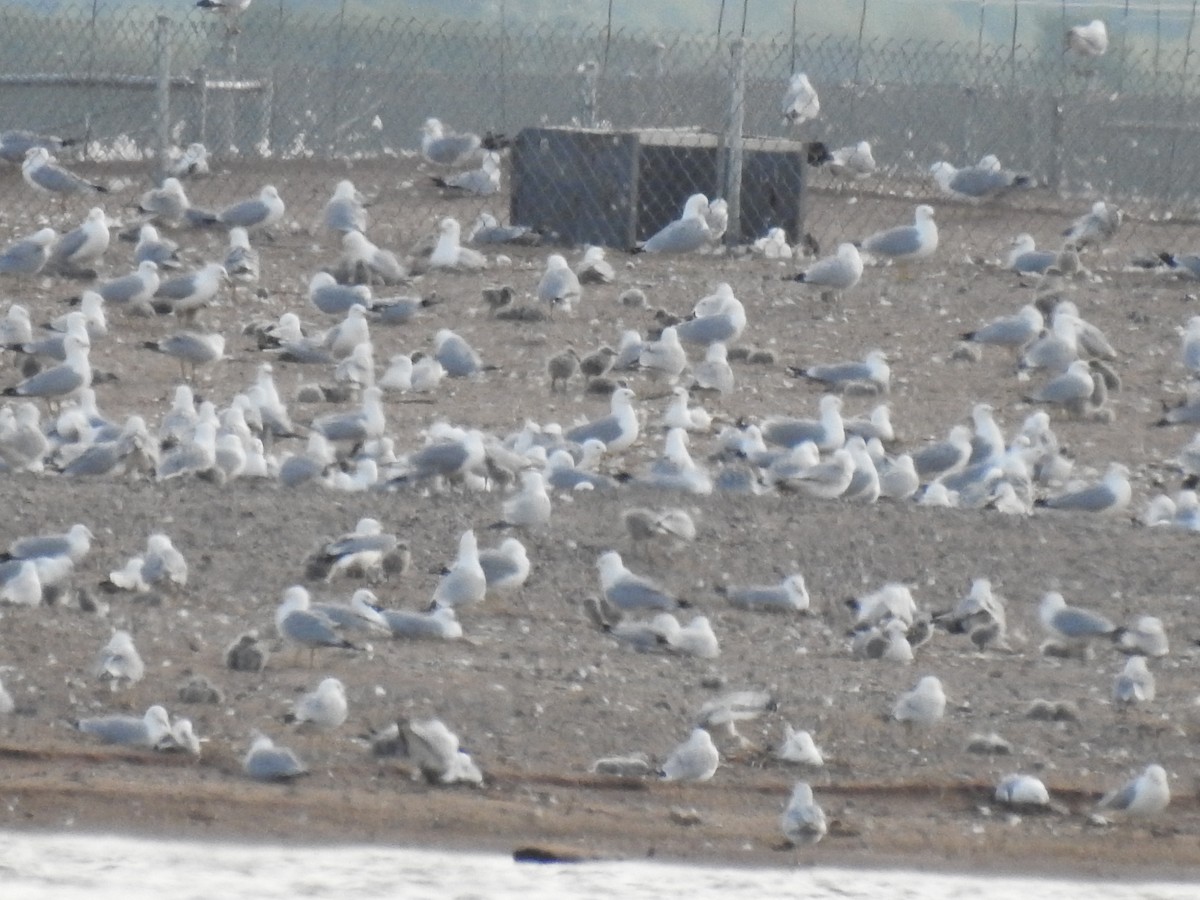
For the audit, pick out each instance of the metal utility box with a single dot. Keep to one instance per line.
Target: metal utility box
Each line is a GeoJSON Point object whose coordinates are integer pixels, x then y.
{"type": "Point", "coordinates": [615, 188]}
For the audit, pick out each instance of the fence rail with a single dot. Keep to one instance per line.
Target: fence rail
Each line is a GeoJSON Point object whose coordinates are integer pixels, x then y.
{"type": "Point", "coordinates": [307, 84]}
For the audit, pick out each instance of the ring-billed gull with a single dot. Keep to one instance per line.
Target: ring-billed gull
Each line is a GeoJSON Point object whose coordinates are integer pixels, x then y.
{"type": "Point", "coordinates": [696, 759]}
{"type": "Point", "coordinates": [1013, 331]}
{"type": "Point", "coordinates": [360, 614]}
{"type": "Point", "coordinates": [985, 180]}
{"type": "Point", "coordinates": [923, 705]}
{"type": "Point", "coordinates": [188, 294]}
{"type": "Point", "coordinates": [449, 253]}
{"type": "Point", "coordinates": [664, 358]}
{"type": "Point", "coordinates": [683, 235]}
{"type": "Point", "coordinates": [257, 213]}
{"type": "Point", "coordinates": [431, 747]}
{"type": "Point", "coordinates": [618, 430]}
{"type": "Point", "coordinates": [481, 182]}
{"type": "Point", "coordinates": [530, 506]}
{"type": "Point", "coordinates": [335, 299]}
{"type": "Point", "coordinates": [265, 761]}
{"type": "Point", "coordinates": [135, 289]}
{"type": "Point", "coordinates": [594, 268]}
{"type": "Point", "coordinates": [1073, 626]}
{"type": "Point", "coordinates": [367, 551]}
{"type": "Point", "coordinates": [192, 349]}
{"type": "Point", "coordinates": [438, 624]}
{"type": "Point", "coordinates": [82, 245]}
{"type": "Point", "coordinates": [151, 247]}
{"type": "Point", "coordinates": [1135, 683]}
{"type": "Point", "coordinates": [166, 204]}
{"type": "Point", "coordinates": [872, 373]}
{"type": "Point", "coordinates": [1024, 257]}
{"type": "Point", "coordinates": [800, 103]}
{"type": "Point", "coordinates": [345, 210]}
{"type": "Point", "coordinates": [15, 143]}
{"type": "Point", "coordinates": [61, 381]}
{"type": "Point", "coordinates": [790, 595]}
{"type": "Point", "coordinates": [627, 591]}
{"type": "Point", "coordinates": [713, 374]}
{"type": "Point", "coordinates": [324, 707]}
{"type": "Point", "coordinates": [76, 543]}
{"type": "Point", "coordinates": [304, 628]}
{"type": "Point", "coordinates": [19, 583]}
{"type": "Point", "coordinates": [447, 149]}
{"type": "Point", "coordinates": [15, 327]}
{"type": "Point", "coordinates": [559, 286]}
{"type": "Point", "coordinates": [1109, 496]}
{"type": "Point", "coordinates": [1146, 637]}
{"type": "Point", "coordinates": [464, 583]}
{"type": "Point", "coordinates": [160, 565]}
{"type": "Point", "coordinates": [129, 731]}
{"type": "Point", "coordinates": [827, 433]}
{"type": "Point", "coordinates": [1072, 389]}
{"type": "Point", "coordinates": [358, 425]}
{"type": "Point", "coordinates": [834, 274]}
{"type": "Point", "coordinates": [193, 161]}
{"type": "Point", "coordinates": [506, 567]}
{"type": "Point", "coordinates": [1087, 40]}
{"type": "Point", "coordinates": [119, 662]}
{"type": "Point", "coordinates": [28, 255]}
{"type": "Point", "coordinates": [1146, 795]}
{"type": "Point", "coordinates": [1095, 227]}
{"type": "Point", "coordinates": [675, 469]}
{"type": "Point", "coordinates": [679, 414]}
{"type": "Point", "coordinates": [1022, 790]}
{"type": "Point", "coordinates": [457, 357]}
{"type": "Point", "coordinates": [905, 242]}
{"type": "Point", "coordinates": [803, 821]}
{"type": "Point", "coordinates": [855, 161]}
{"type": "Point", "coordinates": [798, 747]}
{"type": "Point", "coordinates": [42, 172]}
{"type": "Point", "coordinates": [365, 261]}
{"type": "Point", "coordinates": [241, 260]}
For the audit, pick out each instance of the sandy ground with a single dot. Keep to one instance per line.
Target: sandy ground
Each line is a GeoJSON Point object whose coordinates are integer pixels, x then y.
{"type": "Point", "coordinates": [533, 691]}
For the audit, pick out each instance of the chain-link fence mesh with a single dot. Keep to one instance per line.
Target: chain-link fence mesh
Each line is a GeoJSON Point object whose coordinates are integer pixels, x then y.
{"type": "Point", "coordinates": [287, 85]}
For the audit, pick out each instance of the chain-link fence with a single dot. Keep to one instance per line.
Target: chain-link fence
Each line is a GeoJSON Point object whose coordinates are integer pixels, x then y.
{"type": "Point", "coordinates": [288, 85]}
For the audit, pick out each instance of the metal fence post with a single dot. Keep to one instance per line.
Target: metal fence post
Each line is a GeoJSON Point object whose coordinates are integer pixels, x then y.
{"type": "Point", "coordinates": [162, 50]}
{"type": "Point", "coordinates": [1054, 167]}
{"type": "Point", "coordinates": [733, 140]}
{"type": "Point", "coordinates": [201, 78]}
{"type": "Point", "coordinates": [266, 115]}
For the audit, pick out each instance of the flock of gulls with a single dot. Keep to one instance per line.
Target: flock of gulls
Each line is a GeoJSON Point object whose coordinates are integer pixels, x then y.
{"type": "Point", "coordinates": [52, 425]}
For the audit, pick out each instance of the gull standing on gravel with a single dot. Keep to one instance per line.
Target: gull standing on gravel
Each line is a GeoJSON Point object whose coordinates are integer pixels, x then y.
{"type": "Point", "coordinates": [506, 567]}
{"type": "Point", "coordinates": [341, 339]}
{"type": "Point", "coordinates": [834, 274]}
{"type": "Point", "coordinates": [923, 705]}
{"type": "Point", "coordinates": [799, 747]}
{"type": "Point", "coordinates": [360, 614]}
{"type": "Point", "coordinates": [803, 822]}
{"type": "Point", "coordinates": [166, 204]}
{"type": "Point", "coordinates": [696, 759]}
{"type": "Point", "coordinates": [15, 327]}
{"type": "Point", "coordinates": [1135, 683]}
{"type": "Point", "coordinates": [358, 425]}
{"type": "Point", "coordinates": [255, 214]}
{"type": "Point", "coordinates": [452, 455]}
{"type": "Point", "coordinates": [449, 253]}
{"type": "Point", "coordinates": [60, 382]}
{"type": "Point", "coordinates": [1072, 626]}
{"type": "Point", "coordinates": [800, 103]}
{"type": "Point", "coordinates": [345, 212]}
{"type": "Point", "coordinates": [192, 349]}
{"type": "Point", "coordinates": [1095, 227]}
{"type": "Point", "coordinates": [241, 260]}
{"type": "Point", "coordinates": [464, 584]}
{"type": "Point", "coordinates": [1146, 795]}
{"type": "Point", "coordinates": [714, 373]}
{"type": "Point", "coordinates": [324, 707]}
{"type": "Point", "coordinates": [161, 564]}
{"type": "Point", "coordinates": [627, 591]}
{"type": "Point", "coordinates": [82, 245]}
{"type": "Point", "coordinates": [617, 431]}
{"type": "Point", "coordinates": [530, 506]}
{"type": "Point", "coordinates": [335, 299]}
{"type": "Point", "coordinates": [828, 431]}
{"type": "Point", "coordinates": [1013, 331]}
{"type": "Point", "coordinates": [153, 248]}
{"type": "Point", "coordinates": [91, 307]}
{"type": "Point", "coordinates": [266, 762]}
{"type": "Point", "coordinates": [718, 317]}
{"type": "Point", "coordinates": [1109, 496]}
{"type": "Point", "coordinates": [1146, 637]}
{"type": "Point", "coordinates": [306, 628]}
{"type": "Point", "coordinates": [28, 255]}
{"type": "Point", "coordinates": [984, 181]}
{"type": "Point", "coordinates": [135, 290]}
{"type": "Point", "coordinates": [42, 172]}
{"type": "Point", "coordinates": [1025, 259]}
{"type": "Point", "coordinates": [686, 234]}
{"type": "Point", "coordinates": [190, 293]}
{"type": "Point", "coordinates": [905, 242]}
{"type": "Point", "coordinates": [559, 286]}
{"type": "Point", "coordinates": [129, 731]}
